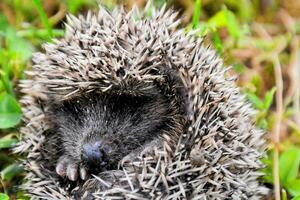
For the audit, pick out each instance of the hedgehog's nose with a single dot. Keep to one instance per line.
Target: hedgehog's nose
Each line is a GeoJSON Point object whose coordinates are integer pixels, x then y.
{"type": "Point", "coordinates": [95, 155]}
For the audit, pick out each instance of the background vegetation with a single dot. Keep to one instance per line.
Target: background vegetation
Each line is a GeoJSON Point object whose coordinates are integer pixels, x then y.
{"type": "Point", "coordinates": [258, 38]}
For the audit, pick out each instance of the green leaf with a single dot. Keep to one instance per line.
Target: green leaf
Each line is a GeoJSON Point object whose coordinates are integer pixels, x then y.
{"type": "Point", "coordinates": [3, 22]}
{"type": "Point", "coordinates": [11, 171]}
{"type": "Point", "coordinates": [7, 141]}
{"type": "Point", "coordinates": [225, 18]}
{"type": "Point", "coordinates": [293, 186]}
{"type": "Point", "coordinates": [10, 111]}
{"type": "Point", "coordinates": [268, 162]}
{"type": "Point", "coordinates": [269, 98]}
{"type": "Point", "coordinates": [1, 84]}
{"type": "Point", "coordinates": [232, 24]}
{"type": "Point", "coordinates": [4, 196]}
{"type": "Point", "coordinates": [257, 103]}
{"type": "Point", "coordinates": [4, 79]}
{"type": "Point", "coordinates": [257, 82]}
{"type": "Point", "coordinates": [296, 198]}
{"type": "Point", "coordinates": [244, 8]}
{"type": "Point", "coordinates": [262, 123]}
{"type": "Point", "coordinates": [239, 68]}
{"type": "Point", "coordinates": [17, 45]}
{"type": "Point", "coordinates": [21, 195]}
{"type": "Point", "coordinates": [289, 162]}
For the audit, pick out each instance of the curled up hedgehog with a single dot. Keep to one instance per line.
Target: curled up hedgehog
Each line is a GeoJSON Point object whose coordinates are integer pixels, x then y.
{"type": "Point", "coordinates": [127, 106]}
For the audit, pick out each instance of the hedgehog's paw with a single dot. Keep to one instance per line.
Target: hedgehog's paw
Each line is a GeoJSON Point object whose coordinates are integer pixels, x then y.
{"type": "Point", "coordinates": [141, 152]}
{"type": "Point", "coordinates": [68, 167]}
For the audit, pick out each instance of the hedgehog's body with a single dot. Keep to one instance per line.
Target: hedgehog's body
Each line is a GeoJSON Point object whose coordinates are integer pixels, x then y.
{"type": "Point", "coordinates": [127, 83]}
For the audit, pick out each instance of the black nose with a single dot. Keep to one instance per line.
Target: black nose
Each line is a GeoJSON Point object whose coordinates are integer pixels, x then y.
{"type": "Point", "coordinates": [95, 155]}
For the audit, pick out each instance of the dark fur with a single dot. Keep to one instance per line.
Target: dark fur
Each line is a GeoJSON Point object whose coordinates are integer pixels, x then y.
{"type": "Point", "coordinates": [124, 120]}
{"type": "Point", "coordinates": [121, 122]}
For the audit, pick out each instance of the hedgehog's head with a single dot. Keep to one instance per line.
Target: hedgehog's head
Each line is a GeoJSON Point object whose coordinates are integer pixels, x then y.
{"type": "Point", "coordinates": [98, 129]}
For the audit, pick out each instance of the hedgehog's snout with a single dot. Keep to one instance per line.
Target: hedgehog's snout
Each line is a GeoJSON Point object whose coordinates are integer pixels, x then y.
{"type": "Point", "coordinates": [95, 155]}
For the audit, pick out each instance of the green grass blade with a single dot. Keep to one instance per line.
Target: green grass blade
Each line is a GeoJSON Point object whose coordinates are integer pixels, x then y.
{"type": "Point", "coordinates": [196, 15]}
{"type": "Point", "coordinates": [43, 16]}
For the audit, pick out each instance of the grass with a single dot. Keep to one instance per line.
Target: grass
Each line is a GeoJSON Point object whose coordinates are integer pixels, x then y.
{"type": "Point", "coordinates": [43, 17]}
{"type": "Point", "coordinates": [196, 15]}
{"type": "Point", "coordinates": [259, 40]}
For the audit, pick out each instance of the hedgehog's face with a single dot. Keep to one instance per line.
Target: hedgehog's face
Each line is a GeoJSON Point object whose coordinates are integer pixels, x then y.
{"type": "Point", "coordinates": [98, 130]}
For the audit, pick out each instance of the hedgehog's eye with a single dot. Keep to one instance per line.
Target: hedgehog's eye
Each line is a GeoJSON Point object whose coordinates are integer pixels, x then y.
{"type": "Point", "coordinates": [154, 71]}
{"type": "Point", "coordinates": [121, 73]}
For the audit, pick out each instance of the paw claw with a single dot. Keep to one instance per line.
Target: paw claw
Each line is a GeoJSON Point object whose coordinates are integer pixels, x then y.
{"type": "Point", "coordinates": [67, 167]}
{"type": "Point", "coordinates": [72, 172]}
{"type": "Point", "coordinates": [61, 168]}
{"type": "Point", "coordinates": [83, 173]}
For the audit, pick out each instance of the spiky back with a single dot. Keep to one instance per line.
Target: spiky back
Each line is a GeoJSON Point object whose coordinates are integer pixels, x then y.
{"type": "Point", "coordinates": [217, 157]}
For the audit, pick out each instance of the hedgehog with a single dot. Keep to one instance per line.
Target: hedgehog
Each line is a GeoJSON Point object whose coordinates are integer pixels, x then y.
{"type": "Point", "coordinates": [131, 106]}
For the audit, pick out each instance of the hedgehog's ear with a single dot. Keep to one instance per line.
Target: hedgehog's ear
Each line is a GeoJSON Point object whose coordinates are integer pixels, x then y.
{"type": "Point", "coordinates": [172, 83]}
